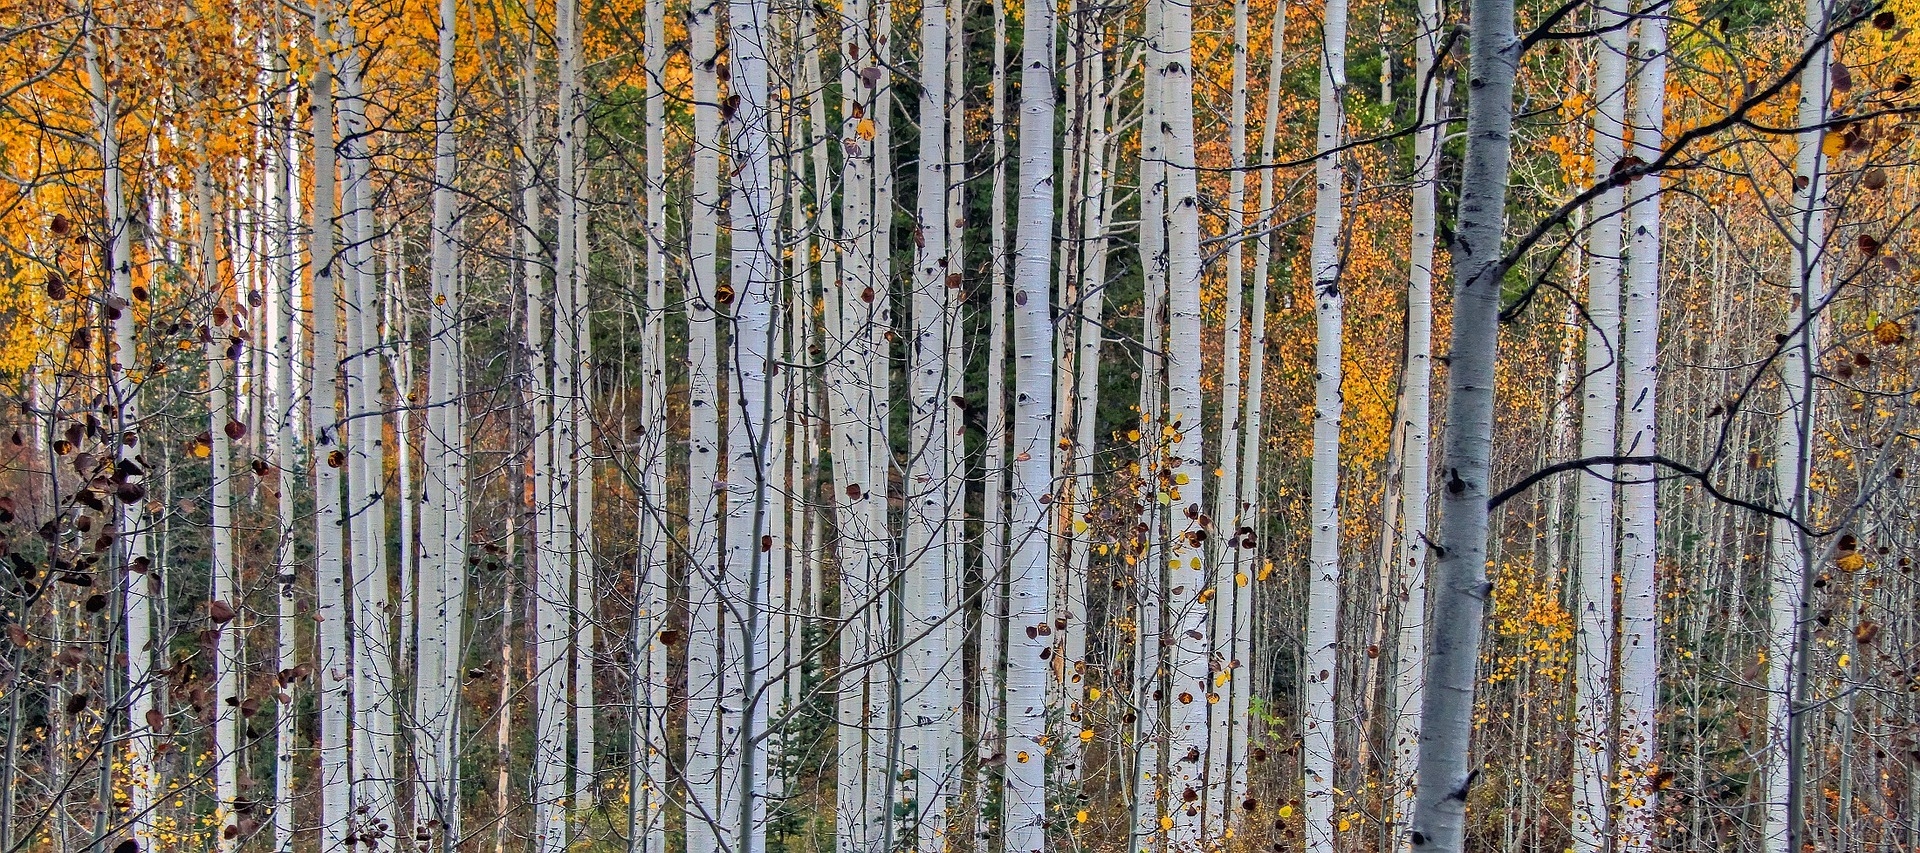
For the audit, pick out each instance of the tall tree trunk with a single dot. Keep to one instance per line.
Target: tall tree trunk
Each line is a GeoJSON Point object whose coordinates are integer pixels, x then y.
{"type": "Point", "coordinates": [1322, 660]}
{"type": "Point", "coordinates": [1790, 609]}
{"type": "Point", "coordinates": [991, 712]}
{"type": "Point", "coordinates": [285, 299]}
{"type": "Point", "coordinates": [332, 657]}
{"type": "Point", "coordinates": [443, 571]}
{"type": "Point", "coordinates": [1224, 546]}
{"type": "Point", "coordinates": [1149, 599]}
{"type": "Point", "coordinates": [1189, 681]}
{"type": "Point", "coordinates": [1023, 798]}
{"type": "Point", "coordinates": [1416, 420]}
{"type": "Point", "coordinates": [1458, 585]}
{"type": "Point", "coordinates": [223, 600]}
{"type": "Point", "coordinates": [928, 714]}
{"type": "Point", "coordinates": [1639, 755]}
{"type": "Point", "coordinates": [650, 740]}
{"type": "Point", "coordinates": [705, 818]}
{"type": "Point", "coordinates": [1593, 637]}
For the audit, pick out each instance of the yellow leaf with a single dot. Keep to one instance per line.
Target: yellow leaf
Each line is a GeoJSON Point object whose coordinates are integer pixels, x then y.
{"type": "Point", "coordinates": [1086, 735]}
{"type": "Point", "coordinates": [1852, 562]}
{"type": "Point", "coordinates": [1833, 144]}
{"type": "Point", "coordinates": [1286, 811]}
{"type": "Point", "coordinates": [1180, 479]}
{"type": "Point", "coordinates": [1844, 658]}
{"type": "Point", "coordinates": [1266, 570]}
{"type": "Point", "coordinates": [864, 128]}
{"type": "Point", "coordinates": [1080, 816]}
{"type": "Point", "coordinates": [1345, 825]}
{"type": "Point", "coordinates": [1166, 823]}
{"type": "Point", "coordinates": [1133, 435]}
{"type": "Point", "coordinates": [1079, 526]}
{"type": "Point", "coordinates": [1240, 578]}
{"type": "Point", "coordinates": [1093, 694]}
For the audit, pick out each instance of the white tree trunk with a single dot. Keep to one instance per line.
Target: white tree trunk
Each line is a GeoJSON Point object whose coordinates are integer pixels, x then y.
{"type": "Point", "coordinates": [332, 656]}
{"type": "Point", "coordinates": [1639, 755]}
{"type": "Point", "coordinates": [1189, 682]}
{"type": "Point", "coordinates": [1322, 661]}
{"type": "Point", "coordinates": [442, 594]}
{"type": "Point", "coordinates": [1593, 637]}
{"type": "Point", "coordinates": [752, 458]}
{"type": "Point", "coordinates": [1457, 587]}
{"type": "Point", "coordinates": [1784, 827]}
{"type": "Point", "coordinates": [1149, 599]}
{"type": "Point", "coordinates": [706, 819]}
{"type": "Point", "coordinates": [223, 603]}
{"type": "Point", "coordinates": [1225, 543]}
{"type": "Point", "coordinates": [284, 297]}
{"type": "Point", "coordinates": [1023, 798]}
{"type": "Point", "coordinates": [649, 784]}
{"type": "Point", "coordinates": [1416, 420]}
{"type": "Point", "coordinates": [993, 530]}
{"type": "Point", "coordinates": [929, 716]}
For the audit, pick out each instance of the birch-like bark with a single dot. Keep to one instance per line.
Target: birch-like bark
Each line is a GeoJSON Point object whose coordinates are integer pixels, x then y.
{"type": "Point", "coordinates": [993, 508]}
{"type": "Point", "coordinates": [1416, 421]}
{"type": "Point", "coordinates": [1249, 509]}
{"type": "Point", "coordinates": [223, 603]}
{"type": "Point", "coordinates": [331, 654]}
{"type": "Point", "coordinates": [1599, 408]}
{"type": "Point", "coordinates": [752, 430]}
{"type": "Point", "coordinates": [442, 593]}
{"type": "Point", "coordinates": [284, 298]}
{"type": "Point", "coordinates": [705, 819]}
{"type": "Point", "coordinates": [929, 716]}
{"type": "Point", "coordinates": [1458, 587]}
{"type": "Point", "coordinates": [131, 545]}
{"type": "Point", "coordinates": [1322, 664]}
{"type": "Point", "coordinates": [1639, 756]}
{"type": "Point", "coordinates": [373, 687]}
{"type": "Point", "coordinates": [1789, 608]}
{"type": "Point", "coordinates": [1225, 545]}
{"type": "Point", "coordinates": [1149, 675]}
{"type": "Point", "coordinates": [1189, 682]}
{"type": "Point", "coordinates": [1023, 797]}
{"type": "Point", "coordinates": [649, 761]}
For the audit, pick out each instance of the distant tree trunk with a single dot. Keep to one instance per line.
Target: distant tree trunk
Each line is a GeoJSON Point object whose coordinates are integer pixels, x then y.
{"type": "Point", "coordinates": [1639, 754]}
{"type": "Point", "coordinates": [1322, 659]}
{"type": "Point", "coordinates": [1023, 798]}
{"type": "Point", "coordinates": [1790, 611]}
{"type": "Point", "coordinates": [1458, 586]}
{"type": "Point", "coordinates": [1593, 638]}
{"type": "Point", "coordinates": [1416, 420]}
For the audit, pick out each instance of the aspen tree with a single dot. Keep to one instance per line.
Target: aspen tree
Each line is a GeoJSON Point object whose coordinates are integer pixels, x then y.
{"type": "Point", "coordinates": [927, 713]}
{"type": "Point", "coordinates": [285, 299]}
{"type": "Point", "coordinates": [1023, 798]}
{"type": "Point", "coordinates": [569, 447]}
{"type": "Point", "coordinates": [1149, 684]}
{"type": "Point", "coordinates": [1225, 547]}
{"type": "Point", "coordinates": [649, 763]}
{"type": "Point", "coordinates": [1639, 754]}
{"type": "Point", "coordinates": [1324, 593]}
{"type": "Point", "coordinates": [131, 544]}
{"type": "Point", "coordinates": [705, 737]}
{"type": "Point", "coordinates": [332, 664]}
{"type": "Point", "coordinates": [1250, 508]}
{"type": "Point", "coordinates": [1599, 413]}
{"type": "Point", "coordinates": [223, 600]}
{"type": "Point", "coordinates": [1456, 586]}
{"type": "Point", "coordinates": [752, 432]}
{"type": "Point", "coordinates": [1789, 549]}
{"type": "Point", "coordinates": [443, 572]}
{"type": "Point", "coordinates": [373, 687]}
{"type": "Point", "coordinates": [1416, 420]}
{"type": "Point", "coordinates": [993, 507]}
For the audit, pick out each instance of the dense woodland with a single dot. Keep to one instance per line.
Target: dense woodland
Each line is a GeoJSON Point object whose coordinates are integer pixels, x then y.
{"type": "Point", "coordinates": [685, 426]}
